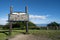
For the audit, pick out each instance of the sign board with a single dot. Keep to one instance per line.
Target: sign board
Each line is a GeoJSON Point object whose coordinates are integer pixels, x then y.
{"type": "Point", "coordinates": [18, 17]}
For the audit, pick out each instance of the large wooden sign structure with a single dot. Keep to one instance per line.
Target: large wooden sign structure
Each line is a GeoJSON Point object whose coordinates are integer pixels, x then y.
{"type": "Point", "coordinates": [18, 17]}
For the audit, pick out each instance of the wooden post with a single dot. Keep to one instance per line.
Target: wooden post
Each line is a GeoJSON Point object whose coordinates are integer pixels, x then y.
{"type": "Point", "coordinates": [26, 11]}
{"type": "Point", "coordinates": [10, 29]}
{"type": "Point", "coordinates": [11, 9]}
{"type": "Point", "coordinates": [27, 27]}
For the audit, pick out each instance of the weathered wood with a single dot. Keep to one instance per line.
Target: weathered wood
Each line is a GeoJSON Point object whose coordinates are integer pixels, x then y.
{"type": "Point", "coordinates": [10, 21]}
{"type": "Point", "coordinates": [26, 9]}
{"type": "Point", "coordinates": [11, 10]}
{"type": "Point", "coordinates": [27, 27]}
{"type": "Point", "coordinates": [10, 28]}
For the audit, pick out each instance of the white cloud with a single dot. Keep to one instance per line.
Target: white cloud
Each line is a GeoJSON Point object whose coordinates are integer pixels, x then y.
{"type": "Point", "coordinates": [38, 16]}
{"type": "Point", "coordinates": [3, 21]}
{"type": "Point", "coordinates": [39, 19]}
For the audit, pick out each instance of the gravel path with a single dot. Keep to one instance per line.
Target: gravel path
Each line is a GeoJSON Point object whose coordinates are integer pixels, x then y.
{"type": "Point", "coordinates": [29, 37]}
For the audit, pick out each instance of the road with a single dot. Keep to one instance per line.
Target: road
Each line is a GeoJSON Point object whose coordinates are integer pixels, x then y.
{"type": "Point", "coordinates": [29, 37]}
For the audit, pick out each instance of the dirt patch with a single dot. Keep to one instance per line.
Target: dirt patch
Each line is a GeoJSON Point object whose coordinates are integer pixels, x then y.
{"type": "Point", "coordinates": [29, 37]}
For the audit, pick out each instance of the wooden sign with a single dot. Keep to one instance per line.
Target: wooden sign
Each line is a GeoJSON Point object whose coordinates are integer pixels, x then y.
{"type": "Point", "coordinates": [18, 17]}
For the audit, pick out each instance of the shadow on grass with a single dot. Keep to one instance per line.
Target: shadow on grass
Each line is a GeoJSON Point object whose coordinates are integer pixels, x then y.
{"type": "Point", "coordinates": [22, 32]}
{"type": "Point", "coordinates": [57, 37]}
{"type": "Point", "coordinates": [5, 32]}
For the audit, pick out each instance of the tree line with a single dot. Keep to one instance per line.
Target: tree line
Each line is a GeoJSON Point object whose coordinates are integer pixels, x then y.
{"type": "Point", "coordinates": [53, 25]}
{"type": "Point", "coordinates": [22, 26]}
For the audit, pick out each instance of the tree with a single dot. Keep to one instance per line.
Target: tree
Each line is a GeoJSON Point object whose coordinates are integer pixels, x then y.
{"type": "Point", "coordinates": [53, 25]}
{"type": "Point", "coordinates": [6, 26]}
{"type": "Point", "coordinates": [20, 25]}
{"type": "Point", "coordinates": [1, 26]}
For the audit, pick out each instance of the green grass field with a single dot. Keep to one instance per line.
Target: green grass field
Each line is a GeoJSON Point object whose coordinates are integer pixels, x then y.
{"type": "Point", "coordinates": [53, 34]}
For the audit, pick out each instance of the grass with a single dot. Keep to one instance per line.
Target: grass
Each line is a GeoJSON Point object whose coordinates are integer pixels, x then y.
{"type": "Point", "coordinates": [2, 36]}
{"type": "Point", "coordinates": [53, 34]}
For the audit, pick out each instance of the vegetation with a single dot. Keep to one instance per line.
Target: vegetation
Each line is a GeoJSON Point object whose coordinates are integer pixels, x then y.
{"type": "Point", "coordinates": [1, 27]}
{"type": "Point", "coordinates": [53, 34]}
{"type": "Point", "coordinates": [53, 25]}
{"type": "Point", "coordinates": [20, 25]}
{"type": "Point", "coordinates": [33, 29]}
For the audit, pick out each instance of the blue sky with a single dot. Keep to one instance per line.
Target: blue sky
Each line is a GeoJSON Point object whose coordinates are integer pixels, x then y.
{"type": "Point", "coordinates": [40, 11]}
